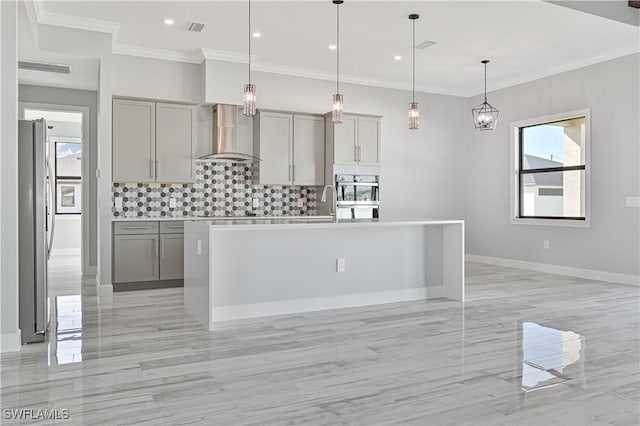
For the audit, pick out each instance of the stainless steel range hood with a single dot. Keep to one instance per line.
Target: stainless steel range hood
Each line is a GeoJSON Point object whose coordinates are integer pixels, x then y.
{"type": "Point", "coordinates": [232, 135]}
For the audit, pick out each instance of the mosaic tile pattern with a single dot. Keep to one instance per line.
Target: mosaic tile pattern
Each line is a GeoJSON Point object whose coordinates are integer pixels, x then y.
{"type": "Point", "coordinates": [220, 189]}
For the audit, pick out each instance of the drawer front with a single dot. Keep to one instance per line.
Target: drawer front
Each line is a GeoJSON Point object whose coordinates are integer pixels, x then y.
{"type": "Point", "coordinates": [135, 228]}
{"type": "Point", "coordinates": [172, 227]}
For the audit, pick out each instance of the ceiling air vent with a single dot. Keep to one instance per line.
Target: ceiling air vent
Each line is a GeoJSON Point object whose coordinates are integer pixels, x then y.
{"type": "Point", "coordinates": [44, 66]}
{"type": "Point", "coordinates": [196, 27]}
{"type": "Point", "coordinates": [425, 45]}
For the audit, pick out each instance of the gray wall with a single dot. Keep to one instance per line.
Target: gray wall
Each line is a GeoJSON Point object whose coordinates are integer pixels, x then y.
{"type": "Point", "coordinates": [73, 97]}
{"type": "Point", "coordinates": [611, 89]}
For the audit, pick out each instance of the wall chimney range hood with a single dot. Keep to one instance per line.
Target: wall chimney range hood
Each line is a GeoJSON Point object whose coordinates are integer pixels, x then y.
{"type": "Point", "coordinates": [232, 136]}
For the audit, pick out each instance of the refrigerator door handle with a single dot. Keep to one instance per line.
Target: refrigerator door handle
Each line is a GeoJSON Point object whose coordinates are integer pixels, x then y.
{"type": "Point", "coordinates": [50, 210]}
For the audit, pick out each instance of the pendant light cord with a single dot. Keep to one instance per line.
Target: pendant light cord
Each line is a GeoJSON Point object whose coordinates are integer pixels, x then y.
{"type": "Point", "coordinates": [413, 61]}
{"type": "Point", "coordinates": [338, 49]}
{"type": "Point", "coordinates": [249, 41]}
{"type": "Point", "coordinates": [485, 82]}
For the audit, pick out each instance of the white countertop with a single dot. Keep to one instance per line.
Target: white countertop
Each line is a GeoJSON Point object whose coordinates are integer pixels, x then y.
{"type": "Point", "coordinates": [288, 223]}
{"type": "Point", "coordinates": [240, 219]}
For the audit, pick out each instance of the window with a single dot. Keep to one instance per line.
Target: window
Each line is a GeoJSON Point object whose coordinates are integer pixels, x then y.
{"type": "Point", "coordinates": [68, 165]}
{"type": "Point", "coordinates": [551, 169]}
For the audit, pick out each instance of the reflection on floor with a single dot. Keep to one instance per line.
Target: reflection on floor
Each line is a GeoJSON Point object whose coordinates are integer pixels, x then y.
{"type": "Point", "coordinates": [65, 275]}
{"type": "Point", "coordinates": [527, 348]}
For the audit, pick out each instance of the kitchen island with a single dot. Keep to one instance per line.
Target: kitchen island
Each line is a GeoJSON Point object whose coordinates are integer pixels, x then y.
{"type": "Point", "coordinates": [247, 269]}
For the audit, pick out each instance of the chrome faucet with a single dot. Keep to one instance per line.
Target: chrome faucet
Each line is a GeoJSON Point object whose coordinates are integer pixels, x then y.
{"type": "Point", "coordinates": [335, 200]}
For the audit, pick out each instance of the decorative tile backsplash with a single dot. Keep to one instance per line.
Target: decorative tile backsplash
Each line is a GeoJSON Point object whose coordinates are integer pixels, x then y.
{"type": "Point", "coordinates": [220, 189]}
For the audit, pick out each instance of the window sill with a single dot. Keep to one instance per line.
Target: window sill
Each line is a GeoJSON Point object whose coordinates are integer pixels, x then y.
{"type": "Point", "coordinates": [552, 222]}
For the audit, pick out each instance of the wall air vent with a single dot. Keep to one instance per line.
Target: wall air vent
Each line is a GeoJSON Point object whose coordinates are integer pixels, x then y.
{"type": "Point", "coordinates": [196, 27]}
{"type": "Point", "coordinates": [44, 66]}
{"type": "Point", "coordinates": [425, 45]}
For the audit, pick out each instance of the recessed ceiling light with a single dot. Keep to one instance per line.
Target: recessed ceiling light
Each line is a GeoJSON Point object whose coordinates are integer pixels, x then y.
{"type": "Point", "coordinates": [257, 35]}
{"type": "Point", "coordinates": [333, 47]}
{"type": "Point", "coordinates": [168, 21]}
{"type": "Point", "coordinates": [397, 58]}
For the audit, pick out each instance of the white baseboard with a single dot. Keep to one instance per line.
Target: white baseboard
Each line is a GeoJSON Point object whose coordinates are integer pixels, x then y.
{"type": "Point", "coordinates": [66, 252]}
{"type": "Point", "coordinates": [590, 274]}
{"type": "Point", "coordinates": [10, 342]}
{"type": "Point", "coordinates": [104, 290]}
{"type": "Point", "coordinates": [296, 306]}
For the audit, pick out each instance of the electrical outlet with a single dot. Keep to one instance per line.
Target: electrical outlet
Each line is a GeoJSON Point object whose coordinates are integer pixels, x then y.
{"type": "Point", "coordinates": [255, 202]}
{"type": "Point", "coordinates": [546, 244]}
{"type": "Point", "coordinates": [300, 202]}
{"type": "Point", "coordinates": [172, 203]}
{"type": "Point", "coordinates": [118, 203]}
{"type": "Point", "coordinates": [341, 265]}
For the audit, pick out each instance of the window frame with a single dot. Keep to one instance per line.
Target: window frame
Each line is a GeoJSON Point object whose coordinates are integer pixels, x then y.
{"type": "Point", "coordinates": [55, 141]}
{"type": "Point", "coordinates": [516, 167]}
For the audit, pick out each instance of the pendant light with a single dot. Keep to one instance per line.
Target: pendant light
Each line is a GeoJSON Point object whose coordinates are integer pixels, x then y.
{"type": "Point", "coordinates": [338, 101]}
{"type": "Point", "coordinates": [249, 96]}
{"type": "Point", "coordinates": [414, 113]}
{"type": "Point", "coordinates": [485, 116]}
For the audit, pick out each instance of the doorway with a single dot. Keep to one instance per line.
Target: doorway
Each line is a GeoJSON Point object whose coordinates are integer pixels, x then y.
{"type": "Point", "coordinates": [68, 198]}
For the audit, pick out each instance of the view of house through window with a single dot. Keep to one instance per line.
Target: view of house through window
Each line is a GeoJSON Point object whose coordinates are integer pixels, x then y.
{"type": "Point", "coordinates": [68, 177]}
{"type": "Point", "coordinates": [552, 169]}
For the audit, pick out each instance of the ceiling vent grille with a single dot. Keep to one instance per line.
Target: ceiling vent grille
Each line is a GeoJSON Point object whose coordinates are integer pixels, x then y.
{"type": "Point", "coordinates": [196, 27]}
{"type": "Point", "coordinates": [45, 67]}
{"type": "Point", "coordinates": [425, 45]}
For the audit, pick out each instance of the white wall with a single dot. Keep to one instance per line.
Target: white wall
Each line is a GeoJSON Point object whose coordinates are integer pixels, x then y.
{"type": "Point", "coordinates": [9, 332]}
{"type": "Point", "coordinates": [68, 235]}
{"type": "Point", "coordinates": [611, 89]}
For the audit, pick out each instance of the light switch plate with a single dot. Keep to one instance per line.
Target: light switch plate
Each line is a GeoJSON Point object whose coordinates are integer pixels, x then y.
{"type": "Point", "coordinates": [633, 202]}
{"type": "Point", "coordinates": [300, 202]}
{"type": "Point", "coordinates": [341, 265]}
{"type": "Point", "coordinates": [255, 202]}
{"type": "Point", "coordinates": [118, 203]}
{"type": "Point", "coordinates": [172, 203]}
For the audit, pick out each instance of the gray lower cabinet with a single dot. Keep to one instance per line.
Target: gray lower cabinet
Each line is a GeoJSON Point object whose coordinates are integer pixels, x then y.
{"type": "Point", "coordinates": [171, 256]}
{"type": "Point", "coordinates": [148, 252]}
{"type": "Point", "coordinates": [135, 258]}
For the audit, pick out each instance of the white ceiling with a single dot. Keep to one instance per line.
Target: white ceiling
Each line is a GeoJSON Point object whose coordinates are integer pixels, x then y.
{"type": "Point", "coordinates": [524, 40]}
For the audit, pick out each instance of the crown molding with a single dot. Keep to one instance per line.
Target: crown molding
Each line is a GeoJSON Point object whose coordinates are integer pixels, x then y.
{"type": "Point", "coordinates": [162, 54]}
{"type": "Point", "coordinates": [224, 56]}
{"type": "Point", "coordinates": [75, 22]}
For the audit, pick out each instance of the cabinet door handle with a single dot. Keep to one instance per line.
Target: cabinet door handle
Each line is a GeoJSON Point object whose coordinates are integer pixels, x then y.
{"type": "Point", "coordinates": [136, 227]}
{"type": "Point", "coordinates": [359, 153]}
{"type": "Point", "coordinates": [293, 175]}
{"type": "Point", "coordinates": [175, 226]}
{"type": "Point", "coordinates": [155, 248]}
{"type": "Point", "coordinates": [355, 153]}
{"type": "Point", "coordinates": [157, 170]}
{"type": "Point", "coordinates": [290, 178]}
{"type": "Point", "coordinates": [150, 168]}
{"type": "Point", "coordinates": [162, 248]}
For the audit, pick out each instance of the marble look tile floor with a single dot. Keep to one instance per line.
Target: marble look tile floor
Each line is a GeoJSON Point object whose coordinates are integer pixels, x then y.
{"type": "Point", "coordinates": [526, 349]}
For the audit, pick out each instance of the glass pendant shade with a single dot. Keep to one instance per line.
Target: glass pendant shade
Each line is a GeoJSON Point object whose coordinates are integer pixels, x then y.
{"type": "Point", "coordinates": [338, 108]}
{"type": "Point", "coordinates": [485, 116]}
{"type": "Point", "coordinates": [249, 100]}
{"type": "Point", "coordinates": [414, 116]}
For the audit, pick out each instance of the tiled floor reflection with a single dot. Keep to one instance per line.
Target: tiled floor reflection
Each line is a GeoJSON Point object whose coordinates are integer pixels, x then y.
{"type": "Point", "coordinates": [526, 349]}
{"type": "Point", "coordinates": [66, 339]}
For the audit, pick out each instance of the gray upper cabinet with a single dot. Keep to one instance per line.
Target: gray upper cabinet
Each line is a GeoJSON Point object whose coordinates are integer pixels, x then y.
{"type": "Point", "coordinates": [308, 150]}
{"type": "Point", "coordinates": [174, 142]}
{"type": "Point", "coordinates": [368, 141]}
{"type": "Point", "coordinates": [134, 141]}
{"type": "Point", "coordinates": [291, 147]}
{"type": "Point", "coordinates": [153, 142]}
{"type": "Point", "coordinates": [273, 145]}
{"type": "Point", "coordinates": [345, 139]}
{"type": "Point", "coordinates": [356, 141]}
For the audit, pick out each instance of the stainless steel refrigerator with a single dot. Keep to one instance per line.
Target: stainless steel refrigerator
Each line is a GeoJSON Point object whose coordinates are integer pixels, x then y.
{"type": "Point", "coordinates": [35, 226]}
